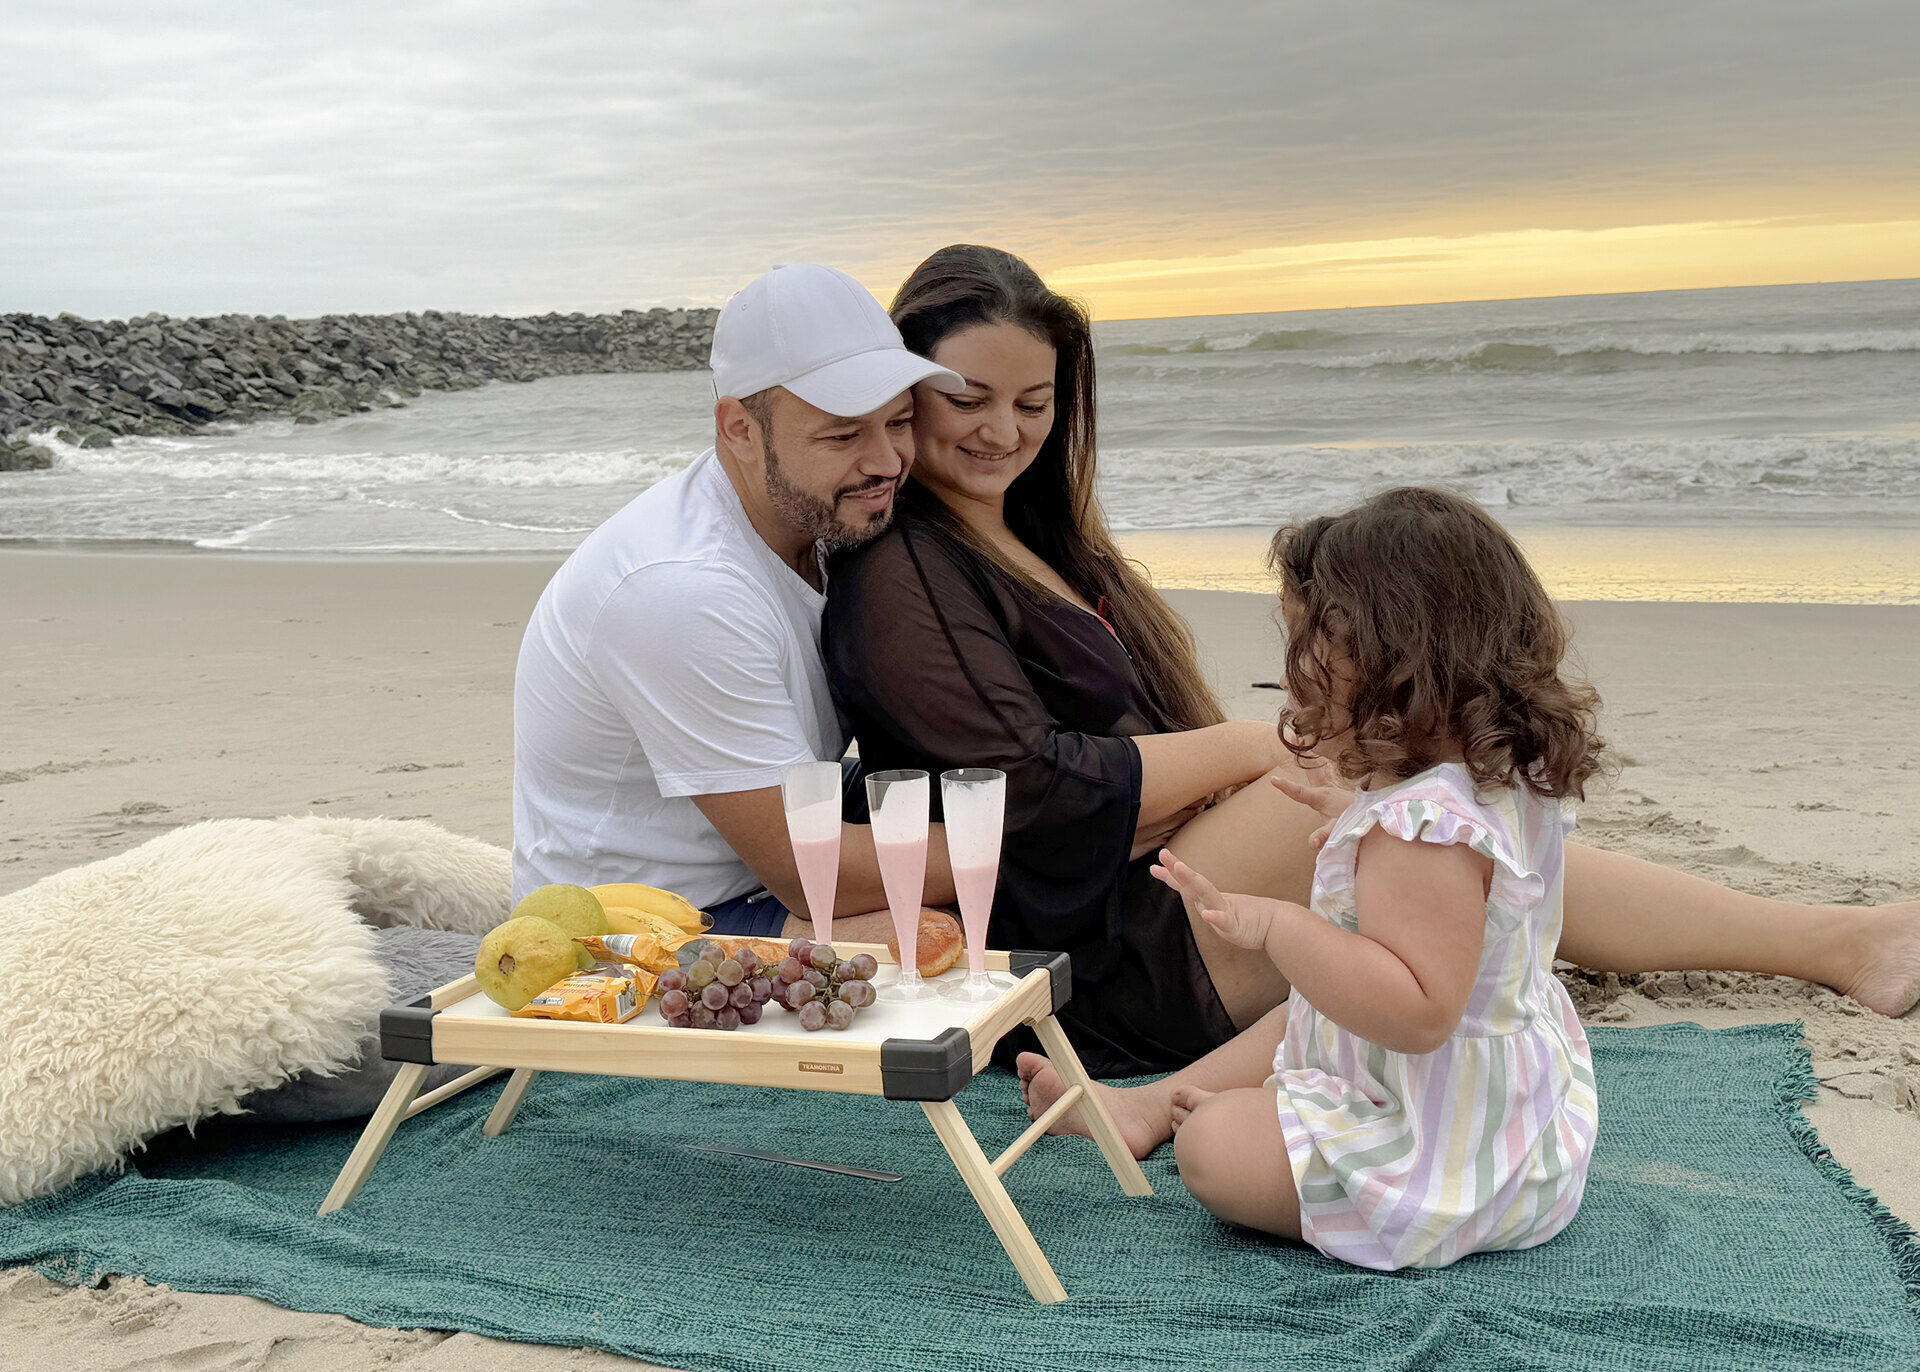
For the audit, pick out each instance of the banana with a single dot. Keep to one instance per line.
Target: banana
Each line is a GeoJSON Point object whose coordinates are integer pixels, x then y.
{"type": "Point", "coordinates": [676, 910]}
{"type": "Point", "coordinates": [626, 919]}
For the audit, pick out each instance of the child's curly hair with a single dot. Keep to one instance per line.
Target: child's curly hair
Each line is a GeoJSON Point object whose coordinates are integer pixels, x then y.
{"type": "Point", "coordinates": [1443, 639]}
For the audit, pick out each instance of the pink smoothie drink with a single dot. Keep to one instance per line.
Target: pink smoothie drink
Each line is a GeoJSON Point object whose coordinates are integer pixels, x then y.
{"type": "Point", "coordinates": [903, 871]}
{"type": "Point", "coordinates": [819, 864]}
{"type": "Point", "coordinates": [974, 885]}
{"type": "Point", "coordinates": [975, 802]}
{"type": "Point", "coordinates": [815, 833]}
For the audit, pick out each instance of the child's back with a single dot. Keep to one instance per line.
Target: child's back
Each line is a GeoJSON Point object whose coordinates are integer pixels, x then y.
{"type": "Point", "coordinates": [1417, 1160]}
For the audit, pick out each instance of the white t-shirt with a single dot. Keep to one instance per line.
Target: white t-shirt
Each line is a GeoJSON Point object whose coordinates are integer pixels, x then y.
{"type": "Point", "coordinates": [673, 655]}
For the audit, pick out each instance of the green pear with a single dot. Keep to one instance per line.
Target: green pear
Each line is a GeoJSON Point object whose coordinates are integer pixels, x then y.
{"type": "Point", "coordinates": [522, 958]}
{"type": "Point", "coordinates": [574, 908]}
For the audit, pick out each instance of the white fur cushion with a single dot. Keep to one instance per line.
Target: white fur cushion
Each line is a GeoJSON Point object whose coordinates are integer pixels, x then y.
{"type": "Point", "coordinates": [158, 987]}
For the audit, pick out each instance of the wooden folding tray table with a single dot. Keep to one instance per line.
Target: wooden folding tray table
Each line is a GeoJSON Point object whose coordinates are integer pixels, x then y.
{"type": "Point", "coordinates": [923, 1051]}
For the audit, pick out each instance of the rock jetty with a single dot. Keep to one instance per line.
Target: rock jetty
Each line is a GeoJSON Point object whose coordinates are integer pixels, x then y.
{"type": "Point", "coordinates": [88, 381]}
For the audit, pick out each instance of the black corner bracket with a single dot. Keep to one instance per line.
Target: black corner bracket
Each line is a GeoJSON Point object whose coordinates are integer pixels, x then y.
{"type": "Point", "coordinates": [1059, 965]}
{"type": "Point", "coordinates": [926, 1069]}
{"type": "Point", "coordinates": [406, 1032]}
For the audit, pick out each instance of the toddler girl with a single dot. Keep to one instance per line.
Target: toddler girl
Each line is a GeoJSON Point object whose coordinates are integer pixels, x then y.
{"type": "Point", "coordinates": [1433, 1093]}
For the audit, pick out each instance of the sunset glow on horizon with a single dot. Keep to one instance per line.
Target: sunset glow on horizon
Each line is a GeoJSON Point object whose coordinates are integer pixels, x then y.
{"type": "Point", "coordinates": [1506, 265]}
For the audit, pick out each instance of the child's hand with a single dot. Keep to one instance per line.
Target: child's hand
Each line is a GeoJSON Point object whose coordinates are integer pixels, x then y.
{"type": "Point", "coordinates": [1330, 802]}
{"type": "Point", "coordinates": [1241, 921]}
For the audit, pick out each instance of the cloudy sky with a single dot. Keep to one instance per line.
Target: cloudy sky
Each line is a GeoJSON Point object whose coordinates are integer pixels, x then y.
{"type": "Point", "coordinates": [1157, 158]}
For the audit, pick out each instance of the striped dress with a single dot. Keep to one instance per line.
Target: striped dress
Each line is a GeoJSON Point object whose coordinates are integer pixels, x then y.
{"type": "Point", "coordinates": [1415, 1160]}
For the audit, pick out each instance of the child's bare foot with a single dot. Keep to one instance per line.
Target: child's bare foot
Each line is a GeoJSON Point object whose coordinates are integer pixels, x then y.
{"type": "Point", "coordinates": [1139, 1112]}
{"type": "Point", "coordinates": [1186, 1099]}
{"type": "Point", "coordinates": [1889, 977]}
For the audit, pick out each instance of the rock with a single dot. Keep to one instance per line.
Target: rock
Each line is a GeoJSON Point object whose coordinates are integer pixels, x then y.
{"type": "Point", "coordinates": [84, 436]}
{"type": "Point", "coordinates": [310, 407]}
{"type": "Point", "coordinates": [152, 374]}
{"type": "Point", "coordinates": [22, 456]}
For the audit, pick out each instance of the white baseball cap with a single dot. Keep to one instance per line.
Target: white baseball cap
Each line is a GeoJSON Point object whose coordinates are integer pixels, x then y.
{"type": "Point", "coordinates": [820, 334]}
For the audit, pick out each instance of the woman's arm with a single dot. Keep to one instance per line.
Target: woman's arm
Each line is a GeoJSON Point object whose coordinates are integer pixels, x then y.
{"type": "Point", "coordinates": [1402, 981]}
{"type": "Point", "coordinates": [1179, 770]}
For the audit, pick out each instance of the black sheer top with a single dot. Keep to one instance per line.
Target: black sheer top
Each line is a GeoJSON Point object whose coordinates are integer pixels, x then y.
{"type": "Point", "coordinates": [940, 659]}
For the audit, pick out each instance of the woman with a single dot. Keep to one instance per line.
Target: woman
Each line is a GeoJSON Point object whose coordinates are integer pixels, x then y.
{"type": "Point", "coordinates": [996, 624]}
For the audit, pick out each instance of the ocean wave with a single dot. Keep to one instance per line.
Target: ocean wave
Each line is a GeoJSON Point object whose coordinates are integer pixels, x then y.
{"type": "Point", "coordinates": [567, 531]}
{"type": "Point", "coordinates": [1794, 477]}
{"type": "Point", "coordinates": [1521, 356]}
{"type": "Point", "coordinates": [1319, 348]}
{"type": "Point", "coordinates": [240, 538]}
{"type": "Point", "coordinates": [1291, 340]}
{"type": "Point", "coordinates": [213, 461]}
{"type": "Point", "coordinates": [1266, 341]}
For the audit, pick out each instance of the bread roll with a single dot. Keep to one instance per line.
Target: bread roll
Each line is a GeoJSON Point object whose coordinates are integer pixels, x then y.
{"type": "Point", "coordinates": [940, 942]}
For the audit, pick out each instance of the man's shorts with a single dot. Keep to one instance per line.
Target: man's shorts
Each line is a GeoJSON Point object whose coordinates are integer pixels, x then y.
{"type": "Point", "coordinates": [759, 914]}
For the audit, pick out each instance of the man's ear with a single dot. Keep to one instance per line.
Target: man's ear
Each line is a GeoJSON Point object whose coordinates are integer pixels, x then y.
{"type": "Point", "coordinates": [735, 431]}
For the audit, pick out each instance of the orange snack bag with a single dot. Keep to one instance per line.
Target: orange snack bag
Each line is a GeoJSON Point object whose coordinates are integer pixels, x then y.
{"type": "Point", "coordinates": [602, 996]}
{"type": "Point", "coordinates": [654, 952]}
{"type": "Point", "coordinates": [769, 951]}
{"type": "Point", "coordinates": [657, 952]}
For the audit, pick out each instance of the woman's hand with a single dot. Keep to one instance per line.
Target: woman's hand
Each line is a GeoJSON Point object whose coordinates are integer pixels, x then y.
{"type": "Point", "coordinates": [1328, 801]}
{"type": "Point", "coordinates": [1151, 837]}
{"type": "Point", "coordinates": [1242, 921]}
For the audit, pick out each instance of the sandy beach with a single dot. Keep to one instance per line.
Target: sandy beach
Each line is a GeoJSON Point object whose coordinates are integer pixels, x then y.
{"type": "Point", "coordinates": [1772, 747]}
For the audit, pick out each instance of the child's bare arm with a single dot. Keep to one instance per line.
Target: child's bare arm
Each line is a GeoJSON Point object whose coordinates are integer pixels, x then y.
{"type": "Point", "coordinates": [1425, 905]}
{"type": "Point", "coordinates": [1401, 982]}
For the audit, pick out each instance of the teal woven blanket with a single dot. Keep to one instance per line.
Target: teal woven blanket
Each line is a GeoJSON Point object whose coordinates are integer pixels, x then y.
{"type": "Point", "coordinates": [1716, 1233]}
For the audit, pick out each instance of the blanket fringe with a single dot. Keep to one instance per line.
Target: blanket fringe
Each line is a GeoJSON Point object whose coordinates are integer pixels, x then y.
{"type": "Point", "coordinates": [1797, 1086]}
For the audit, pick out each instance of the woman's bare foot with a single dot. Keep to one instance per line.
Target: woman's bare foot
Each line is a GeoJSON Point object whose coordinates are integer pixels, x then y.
{"type": "Point", "coordinates": [1888, 980]}
{"type": "Point", "coordinates": [1187, 1099]}
{"type": "Point", "coordinates": [1143, 1114]}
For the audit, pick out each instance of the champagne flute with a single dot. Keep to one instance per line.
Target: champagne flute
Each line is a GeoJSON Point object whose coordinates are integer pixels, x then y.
{"type": "Point", "coordinates": [899, 802]}
{"type": "Point", "coordinates": [974, 802]}
{"type": "Point", "coordinates": [811, 794]}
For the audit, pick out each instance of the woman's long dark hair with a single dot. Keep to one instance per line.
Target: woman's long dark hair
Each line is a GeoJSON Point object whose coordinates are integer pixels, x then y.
{"type": "Point", "coordinates": [1051, 507]}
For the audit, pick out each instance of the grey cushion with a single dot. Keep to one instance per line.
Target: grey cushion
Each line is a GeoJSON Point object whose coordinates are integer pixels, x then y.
{"type": "Point", "coordinates": [416, 961]}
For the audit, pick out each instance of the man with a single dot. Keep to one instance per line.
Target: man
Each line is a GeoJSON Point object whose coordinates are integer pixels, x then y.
{"type": "Point", "coordinates": [672, 668]}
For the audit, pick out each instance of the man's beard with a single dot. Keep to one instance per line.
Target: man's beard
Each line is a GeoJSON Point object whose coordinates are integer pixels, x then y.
{"type": "Point", "coordinates": [819, 519]}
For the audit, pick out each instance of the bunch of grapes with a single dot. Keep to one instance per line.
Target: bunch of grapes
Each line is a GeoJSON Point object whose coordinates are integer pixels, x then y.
{"type": "Point", "coordinates": [820, 986]}
{"type": "Point", "coordinates": [719, 990]}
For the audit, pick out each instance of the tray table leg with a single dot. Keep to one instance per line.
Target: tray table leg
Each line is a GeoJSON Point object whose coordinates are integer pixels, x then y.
{"type": "Point", "coordinates": [508, 1105]}
{"type": "Point", "coordinates": [994, 1201]}
{"type": "Point", "coordinates": [378, 1133]}
{"type": "Point", "coordinates": [453, 1088]}
{"type": "Point", "coordinates": [1093, 1111]}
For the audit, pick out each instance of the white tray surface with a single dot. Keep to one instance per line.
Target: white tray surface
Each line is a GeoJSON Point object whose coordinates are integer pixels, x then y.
{"type": "Point", "coordinates": [924, 1019]}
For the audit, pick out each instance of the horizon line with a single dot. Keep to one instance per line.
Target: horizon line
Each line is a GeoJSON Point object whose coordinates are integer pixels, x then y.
{"type": "Point", "coordinates": [1103, 319]}
{"type": "Point", "coordinates": [1509, 299]}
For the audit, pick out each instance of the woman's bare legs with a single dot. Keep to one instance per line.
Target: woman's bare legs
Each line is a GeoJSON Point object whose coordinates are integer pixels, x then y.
{"type": "Point", "coordinates": [1622, 914]}
{"type": "Point", "coordinates": [1625, 915]}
